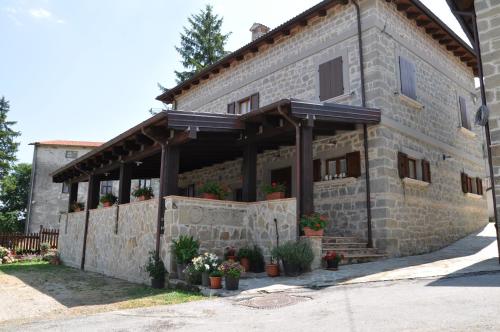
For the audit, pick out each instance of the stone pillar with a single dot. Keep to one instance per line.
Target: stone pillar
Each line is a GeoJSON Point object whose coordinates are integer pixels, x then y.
{"type": "Point", "coordinates": [249, 173]}
{"type": "Point", "coordinates": [125, 183]}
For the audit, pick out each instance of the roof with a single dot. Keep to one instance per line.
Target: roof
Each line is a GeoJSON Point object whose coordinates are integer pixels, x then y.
{"type": "Point", "coordinates": [413, 9]}
{"type": "Point", "coordinates": [462, 9]}
{"type": "Point", "coordinates": [86, 144]}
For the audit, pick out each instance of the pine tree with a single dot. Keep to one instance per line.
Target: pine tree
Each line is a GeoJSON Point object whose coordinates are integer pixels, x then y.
{"type": "Point", "coordinates": [202, 44]}
{"type": "Point", "coordinates": [8, 147]}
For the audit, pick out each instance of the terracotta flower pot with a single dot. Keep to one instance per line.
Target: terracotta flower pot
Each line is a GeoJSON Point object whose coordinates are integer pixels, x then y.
{"type": "Point", "coordinates": [209, 196]}
{"type": "Point", "coordinates": [216, 282]}
{"type": "Point", "coordinates": [77, 210]}
{"type": "Point", "coordinates": [141, 198]}
{"type": "Point", "coordinates": [311, 232]}
{"type": "Point", "coordinates": [231, 258]}
{"type": "Point", "coordinates": [276, 195]}
{"type": "Point", "coordinates": [107, 204]}
{"type": "Point", "coordinates": [272, 270]}
{"type": "Point", "coordinates": [245, 262]}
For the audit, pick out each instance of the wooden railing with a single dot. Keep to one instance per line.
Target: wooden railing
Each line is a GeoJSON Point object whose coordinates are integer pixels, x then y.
{"type": "Point", "coordinates": [30, 242]}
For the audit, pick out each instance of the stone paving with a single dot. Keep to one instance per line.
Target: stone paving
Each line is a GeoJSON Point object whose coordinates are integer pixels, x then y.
{"type": "Point", "coordinates": [475, 253]}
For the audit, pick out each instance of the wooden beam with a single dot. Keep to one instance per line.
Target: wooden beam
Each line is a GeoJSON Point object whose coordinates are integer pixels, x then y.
{"type": "Point", "coordinates": [306, 168]}
{"type": "Point", "coordinates": [125, 183]}
{"type": "Point", "coordinates": [249, 169]}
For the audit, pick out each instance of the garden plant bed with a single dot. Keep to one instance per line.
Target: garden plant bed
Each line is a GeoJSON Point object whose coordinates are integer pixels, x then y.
{"type": "Point", "coordinates": [33, 291]}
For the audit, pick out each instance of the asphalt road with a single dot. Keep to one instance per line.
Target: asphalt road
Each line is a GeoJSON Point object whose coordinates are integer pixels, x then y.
{"type": "Point", "coordinates": [466, 303]}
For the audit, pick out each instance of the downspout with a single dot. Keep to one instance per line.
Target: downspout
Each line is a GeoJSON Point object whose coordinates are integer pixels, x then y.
{"type": "Point", "coordinates": [365, 129]}
{"type": "Point", "coordinates": [32, 184]}
{"type": "Point", "coordinates": [298, 170]}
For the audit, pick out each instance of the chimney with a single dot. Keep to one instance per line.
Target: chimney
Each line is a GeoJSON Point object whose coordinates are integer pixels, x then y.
{"type": "Point", "coordinates": [258, 30]}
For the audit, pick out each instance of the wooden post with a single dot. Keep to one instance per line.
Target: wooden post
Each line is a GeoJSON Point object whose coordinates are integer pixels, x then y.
{"type": "Point", "coordinates": [92, 202]}
{"type": "Point", "coordinates": [249, 189]}
{"type": "Point", "coordinates": [306, 168]}
{"type": "Point", "coordinates": [40, 238]}
{"type": "Point", "coordinates": [125, 183]}
{"type": "Point", "coordinates": [73, 194]}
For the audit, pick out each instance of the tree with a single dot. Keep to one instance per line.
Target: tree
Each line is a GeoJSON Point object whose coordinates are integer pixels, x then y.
{"type": "Point", "coordinates": [202, 44]}
{"type": "Point", "coordinates": [14, 194]}
{"type": "Point", "coordinates": [8, 147]}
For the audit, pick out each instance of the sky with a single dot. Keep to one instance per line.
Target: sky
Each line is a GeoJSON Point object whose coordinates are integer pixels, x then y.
{"type": "Point", "coordinates": [88, 69]}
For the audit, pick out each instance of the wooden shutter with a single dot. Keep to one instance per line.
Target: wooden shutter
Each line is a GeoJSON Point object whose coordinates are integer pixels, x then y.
{"type": "Point", "coordinates": [254, 102]}
{"type": "Point", "coordinates": [402, 165]}
{"type": "Point", "coordinates": [479, 186]}
{"type": "Point", "coordinates": [353, 164]}
{"type": "Point", "coordinates": [316, 170]}
{"type": "Point", "coordinates": [463, 113]}
{"type": "Point", "coordinates": [407, 77]}
{"type": "Point", "coordinates": [463, 178]}
{"type": "Point", "coordinates": [331, 79]}
{"type": "Point", "coordinates": [426, 171]}
{"type": "Point", "coordinates": [231, 108]}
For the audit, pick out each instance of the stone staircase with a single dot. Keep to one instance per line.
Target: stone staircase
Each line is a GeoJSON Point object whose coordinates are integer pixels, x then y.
{"type": "Point", "coordinates": [353, 249]}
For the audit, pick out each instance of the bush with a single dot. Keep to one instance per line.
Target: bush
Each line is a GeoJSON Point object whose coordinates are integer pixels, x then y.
{"type": "Point", "coordinates": [155, 266]}
{"type": "Point", "coordinates": [298, 254]}
{"type": "Point", "coordinates": [192, 275]}
{"type": "Point", "coordinates": [185, 249]}
{"type": "Point", "coordinates": [211, 187]}
{"type": "Point", "coordinates": [4, 252]}
{"type": "Point", "coordinates": [147, 192]}
{"type": "Point", "coordinates": [257, 263]}
{"type": "Point", "coordinates": [44, 248]}
{"type": "Point", "coordinates": [314, 221]}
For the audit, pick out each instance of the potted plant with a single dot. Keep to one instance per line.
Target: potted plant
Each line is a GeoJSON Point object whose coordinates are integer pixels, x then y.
{"type": "Point", "coordinates": [205, 264]}
{"type": "Point", "coordinates": [230, 253]}
{"type": "Point", "coordinates": [156, 270]}
{"type": "Point", "coordinates": [332, 260]}
{"type": "Point", "coordinates": [296, 256]}
{"type": "Point", "coordinates": [143, 194]}
{"type": "Point", "coordinates": [274, 190]}
{"type": "Point", "coordinates": [232, 271]}
{"type": "Point", "coordinates": [257, 262]}
{"type": "Point", "coordinates": [76, 207]}
{"type": "Point", "coordinates": [216, 279]}
{"type": "Point", "coordinates": [313, 224]}
{"type": "Point", "coordinates": [244, 255]}
{"type": "Point", "coordinates": [192, 275]}
{"type": "Point", "coordinates": [184, 249]}
{"type": "Point", "coordinates": [108, 199]}
{"type": "Point", "coordinates": [213, 190]}
{"type": "Point", "coordinates": [272, 268]}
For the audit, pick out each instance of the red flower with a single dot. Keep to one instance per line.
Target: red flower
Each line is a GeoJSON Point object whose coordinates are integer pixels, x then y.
{"type": "Point", "coordinates": [273, 184]}
{"type": "Point", "coordinates": [318, 226]}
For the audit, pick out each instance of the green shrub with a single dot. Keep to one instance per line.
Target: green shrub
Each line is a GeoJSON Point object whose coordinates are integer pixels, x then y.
{"type": "Point", "coordinates": [295, 252]}
{"type": "Point", "coordinates": [3, 252]}
{"type": "Point", "coordinates": [109, 197]}
{"type": "Point", "coordinates": [147, 192]}
{"type": "Point", "coordinates": [211, 187]}
{"type": "Point", "coordinates": [155, 266]}
{"type": "Point", "coordinates": [185, 249]}
{"type": "Point", "coordinates": [44, 247]}
{"type": "Point", "coordinates": [257, 262]}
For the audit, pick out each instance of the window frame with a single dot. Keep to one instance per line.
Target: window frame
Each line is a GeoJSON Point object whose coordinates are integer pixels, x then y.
{"type": "Point", "coordinates": [68, 154]}
{"type": "Point", "coordinates": [106, 187]}
{"type": "Point", "coordinates": [248, 102]}
{"type": "Point", "coordinates": [412, 161]}
{"type": "Point", "coordinates": [338, 165]}
{"type": "Point", "coordinates": [144, 184]}
{"type": "Point", "coordinates": [65, 188]}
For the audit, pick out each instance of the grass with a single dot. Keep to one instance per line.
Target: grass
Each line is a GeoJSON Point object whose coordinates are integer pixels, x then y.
{"type": "Point", "coordinates": [147, 297]}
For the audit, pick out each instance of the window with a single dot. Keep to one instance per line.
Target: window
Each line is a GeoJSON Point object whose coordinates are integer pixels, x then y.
{"type": "Point", "coordinates": [316, 170]}
{"type": "Point", "coordinates": [71, 154]}
{"type": "Point", "coordinates": [349, 165]}
{"type": "Point", "coordinates": [407, 78]}
{"type": "Point", "coordinates": [144, 183]}
{"type": "Point", "coordinates": [231, 108]}
{"type": "Point", "coordinates": [65, 188]}
{"type": "Point", "coordinates": [413, 168]}
{"type": "Point", "coordinates": [244, 106]}
{"type": "Point", "coordinates": [471, 185]}
{"type": "Point", "coordinates": [464, 119]}
{"type": "Point", "coordinates": [331, 79]}
{"type": "Point", "coordinates": [106, 187]}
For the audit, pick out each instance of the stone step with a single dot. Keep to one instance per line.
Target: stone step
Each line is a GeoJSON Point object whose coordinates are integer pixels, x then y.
{"type": "Point", "coordinates": [345, 245]}
{"type": "Point", "coordinates": [347, 251]}
{"type": "Point", "coordinates": [340, 239]}
{"type": "Point", "coordinates": [361, 258]}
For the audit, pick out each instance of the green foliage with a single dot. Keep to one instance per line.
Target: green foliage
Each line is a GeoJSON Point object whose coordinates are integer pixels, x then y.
{"type": "Point", "coordinates": [109, 197]}
{"type": "Point", "coordinates": [216, 273]}
{"type": "Point", "coordinates": [155, 266]}
{"type": "Point", "coordinates": [211, 187]}
{"type": "Point", "coordinates": [44, 247]}
{"type": "Point", "coordinates": [3, 252]}
{"type": "Point", "coordinates": [8, 147]}
{"type": "Point", "coordinates": [192, 275]}
{"type": "Point", "coordinates": [245, 252]}
{"type": "Point", "coordinates": [202, 43]}
{"type": "Point", "coordinates": [14, 195]}
{"type": "Point", "coordinates": [231, 268]}
{"type": "Point", "coordinates": [295, 252]}
{"type": "Point", "coordinates": [77, 206]}
{"type": "Point", "coordinates": [257, 263]}
{"type": "Point", "coordinates": [314, 221]}
{"type": "Point", "coordinates": [10, 223]}
{"type": "Point", "coordinates": [185, 249]}
{"type": "Point", "coordinates": [274, 187]}
{"type": "Point", "coordinates": [147, 192]}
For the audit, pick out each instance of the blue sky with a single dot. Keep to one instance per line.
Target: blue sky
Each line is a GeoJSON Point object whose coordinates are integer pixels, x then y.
{"type": "Point", "coordinates": [88, 70]}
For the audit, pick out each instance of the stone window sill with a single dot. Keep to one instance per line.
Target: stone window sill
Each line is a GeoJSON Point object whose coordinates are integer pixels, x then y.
{"type": "Point", "coordinates": [336, 182]}
{"type": "Point", "coordinates": [474, 196]}
{"type": "Point", "coordinates": [467, 132]}
{"type": "Point", "coordinates": [415, 183]}
{"type": "Point", "coordinates": [410, 102]}
{"type": "Point", "coordinates": [338, 99]}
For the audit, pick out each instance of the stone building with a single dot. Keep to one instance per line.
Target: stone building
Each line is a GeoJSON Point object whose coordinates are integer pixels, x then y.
{"type": "Point", "coordinates": [298, 105]}
{"type": "Point", "coordinates": [47, 199]}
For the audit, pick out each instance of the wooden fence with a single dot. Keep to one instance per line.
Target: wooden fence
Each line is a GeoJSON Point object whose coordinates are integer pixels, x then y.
{"type": "Point", "coordinates": [30, 242]}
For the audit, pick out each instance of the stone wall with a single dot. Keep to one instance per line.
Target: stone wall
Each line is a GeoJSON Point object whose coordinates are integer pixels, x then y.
{"type": "Point", "coordinates": [71, 238]}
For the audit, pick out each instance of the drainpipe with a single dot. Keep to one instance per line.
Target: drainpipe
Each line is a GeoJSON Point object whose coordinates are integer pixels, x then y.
{"type": "Point", "coordinates": [32, 185]}
{"type": "Point", "coordinates": [365, 129]}
{"type": "Point", "coordinates": [298, 169]}
{"type": "Point", "coordinates": [477, 47]}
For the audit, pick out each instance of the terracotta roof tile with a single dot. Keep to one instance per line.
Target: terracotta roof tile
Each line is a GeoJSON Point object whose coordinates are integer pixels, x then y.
{"type": "Point", "coordinates": [69, 143]}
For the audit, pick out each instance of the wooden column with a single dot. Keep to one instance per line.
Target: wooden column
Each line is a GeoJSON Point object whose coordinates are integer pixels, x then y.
{"type": "Point", "coordinates": [306, 168]}
{"type": "Point", "coordinates": [92, 202]}
{"type": "Point", "coordinates": [73, 194]}
{"type": "Point", "coordinates": [125, 183]}
{"type": "Point", "coordinates": [249, 173]}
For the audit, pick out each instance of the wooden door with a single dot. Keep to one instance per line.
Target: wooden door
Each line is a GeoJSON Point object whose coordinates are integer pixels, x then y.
{"type": "Point", "coordinates": [284, 176]}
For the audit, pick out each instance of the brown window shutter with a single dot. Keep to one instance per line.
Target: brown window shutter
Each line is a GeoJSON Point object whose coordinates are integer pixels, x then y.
{"type": "Point", "coordinates": [231, 108]}
{"type": "Point", "coordinates": [324, 81]}
{"type": "Point", "coordinates": [337, 77]}
{"type": "Point", "coordinates": [353, 164]}
{"type": "Point", "coordinates": [254, 102]}
{"type": "Point", "coordinates": [407, 77]}
{"type": "Point", "coordinates": [331, 79]}
{"type": "Point", "coordinates": [316, 170]}
{"type": "Point", "coordinates": [402, 165]}
{"type": "Point", "coordinates": [479, 186]}
{"type": "Point", "coordinates": [463, 113]}
{"type": "Point", "coordinates": [463, 178]}
{"type": "Point", "coordinates": [426, 171]}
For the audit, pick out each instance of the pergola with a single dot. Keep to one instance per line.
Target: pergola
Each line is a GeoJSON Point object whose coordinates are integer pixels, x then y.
{"type": "Point", "coordinates": [172, 142]}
